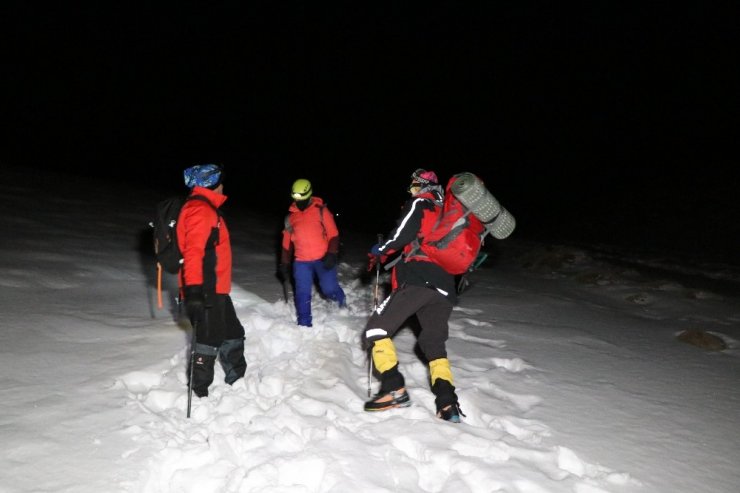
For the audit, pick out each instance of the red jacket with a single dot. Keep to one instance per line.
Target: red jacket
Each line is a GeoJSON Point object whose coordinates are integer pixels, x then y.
{"type": "Point", "coordinates": [310, 233]}
{"type": "Point", "coordinates": [198, 227]}
{"type": "Point", "coordinates": [418, 217]}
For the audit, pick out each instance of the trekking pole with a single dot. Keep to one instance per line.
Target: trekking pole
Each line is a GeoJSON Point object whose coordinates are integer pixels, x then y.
{"type": "Point", "coordinates": [286, 289]}
{"type": "Point", "coordinates": [377, 276]}
{"type": "Point", "coordinates": [192, 364]}
{"type": "Point", "coordinates": [159, 285]}
{"type": "Point", "coordinates": [375, 306]}
{"type": "Point", "coordinates": [369, 369]}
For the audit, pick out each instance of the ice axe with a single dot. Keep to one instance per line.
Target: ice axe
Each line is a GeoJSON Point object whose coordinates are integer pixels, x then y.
{"type": "Point", "coordinates": [192, 363]}
{"type": "Point", "coordinates": [286, 289]}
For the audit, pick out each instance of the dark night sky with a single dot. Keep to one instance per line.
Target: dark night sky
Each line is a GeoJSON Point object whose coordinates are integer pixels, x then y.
{"type": "Point", "coordinates": [588, 122]}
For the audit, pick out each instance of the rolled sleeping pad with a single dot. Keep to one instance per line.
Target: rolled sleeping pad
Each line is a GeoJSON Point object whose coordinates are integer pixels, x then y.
{"type": "Point", "coordinates": [502, 226]}
{"type": "Point", "coordinates": [473, 194]}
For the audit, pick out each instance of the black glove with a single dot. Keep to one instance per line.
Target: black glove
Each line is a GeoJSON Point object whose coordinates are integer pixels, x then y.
{"type": "Point", "coordinates": [284, 271]}
{"type": "Point", "coordinates": [330, 260]}
{"type": "Point", "coordinates": [195, 303]}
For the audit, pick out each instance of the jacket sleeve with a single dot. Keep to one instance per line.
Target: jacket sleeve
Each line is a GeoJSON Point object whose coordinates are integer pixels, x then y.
{"type": "Point", "coordinates": [286, 255]}
{"type": "Point", "coordinates": [286, 252]}
{"type": "Point", "coordinates": [332, 232]}
{"type": "Point", "coordinates": [407, 226]}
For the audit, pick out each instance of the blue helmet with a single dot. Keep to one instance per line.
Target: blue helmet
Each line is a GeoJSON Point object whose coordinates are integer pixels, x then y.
{"type": "Point", "coordinates": [203, 175]}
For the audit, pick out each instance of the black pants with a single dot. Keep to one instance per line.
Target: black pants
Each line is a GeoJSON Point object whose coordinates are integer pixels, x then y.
{"type": "Point", "coordinates": [219, 322]}
{"type": "Point", "coordinates": [432, 310]}
{"type": "Point", "coordinates": [219, 334]}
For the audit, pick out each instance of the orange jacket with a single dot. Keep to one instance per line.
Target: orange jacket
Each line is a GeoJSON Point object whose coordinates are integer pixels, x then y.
{"type": "Point", "coordinates": [309, 233]}
{"type": "Point", "coordinates": [209, 267]}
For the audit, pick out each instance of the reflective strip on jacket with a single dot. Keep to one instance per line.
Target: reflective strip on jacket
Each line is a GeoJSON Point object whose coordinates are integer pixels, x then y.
{"type": "Point", "coordinates": [418, 217]}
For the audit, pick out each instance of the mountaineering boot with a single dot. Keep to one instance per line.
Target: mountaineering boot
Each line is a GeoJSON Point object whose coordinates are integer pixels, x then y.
{"type": "Point", "coordinates": [451, 413]}
{"type": "Point", "coordinates": [392, 391]}
{"type": "Point", "coordinates": [202, 374]}
{"type": "Point", "coordinates": [231, 356]}
{"type": "Point", "coordinates": [384, 400]}
{"type": "Point", "coordinates": [448, 408]}
{"type": "Point", "coordinates": [202, 371]}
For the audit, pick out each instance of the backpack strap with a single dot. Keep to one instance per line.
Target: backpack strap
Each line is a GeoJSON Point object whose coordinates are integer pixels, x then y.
{"type": "Point", "coordinates": [455, 230]}
{"type": "Point", "coordinates": [322, 209]}
{"type": "Point", "coordinates": [416, 244]}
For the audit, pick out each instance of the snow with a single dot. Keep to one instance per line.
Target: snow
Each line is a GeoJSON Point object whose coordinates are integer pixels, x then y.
{"type": "Point", "coordinates": [565, 359]}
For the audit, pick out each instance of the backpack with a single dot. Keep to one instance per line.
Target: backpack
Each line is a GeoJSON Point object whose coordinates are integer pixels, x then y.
{"type": "Point", "coordinates": [455, 240]}
{"type": "Point", "coordinates": [164, 231]}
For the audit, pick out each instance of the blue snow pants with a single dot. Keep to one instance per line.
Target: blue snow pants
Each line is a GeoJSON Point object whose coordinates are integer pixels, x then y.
{"type": "Point", "coordinates": [304, 274]}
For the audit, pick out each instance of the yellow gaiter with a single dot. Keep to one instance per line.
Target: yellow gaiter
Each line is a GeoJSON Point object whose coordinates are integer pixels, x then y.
{"type": "Point", "coordinates": [384, 355]}
{"type": "Point", "coordinates": [440, 368]}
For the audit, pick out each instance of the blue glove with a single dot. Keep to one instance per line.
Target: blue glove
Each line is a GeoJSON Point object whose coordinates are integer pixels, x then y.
{"type": "Point", "coordinates": [375, 250]}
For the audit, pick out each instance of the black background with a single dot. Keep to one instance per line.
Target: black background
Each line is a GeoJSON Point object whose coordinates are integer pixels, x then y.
{"type": "Point", "coordinates": [593, 122]}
